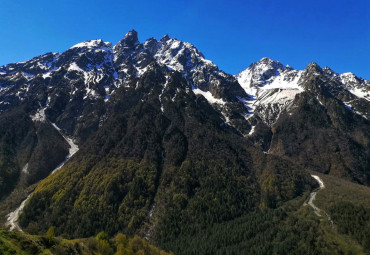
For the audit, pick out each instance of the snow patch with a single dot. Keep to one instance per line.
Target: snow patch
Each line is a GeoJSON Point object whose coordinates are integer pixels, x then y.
{"type": "Point", "coordinates": [12, 218]}
{"type": "Point", "coordinates": [208, 95]}
{"type": "Point", "coordinates": [357, 86]}
{"type": "Point", "coordinates": [160, 95]}
{"type": "Point", "coordinates": [279, 96]}
{"type": "Point", "coordinates": [348, 77]}
{"type": "Point", "coordinates": [313, 195]}
{"type": "Point", "coordinates": [88, 44]}
{"type": "Point", "coordinates": [361, 92]}
{"type": "Point", "coordinates": [252, 130]}
{"type": "Point", "coordinates": [39, 115]}
{"type": "Point", "coordinates": [252, 82]}
{"type": "Point", "coordinates": [227, 119]}
{"type": "Point", "coordinates": [25, 168]}
{"type": "Point", "coordinates": [74, 67]}
{"type": "Point", "coordinates": [318, 179]}
{"type": "Point", "coordinates": [72, 149]}
{"type": "Point", "coordinates": [49, 73]}
{"type": "Point", "coordinates": [28, 75]}
{"type": "Point", "coordinates": [350, 108]}
{"type": "Point", "coordinates": [249, 103]}
{"type": "Point", "coordinates": [48, 101]}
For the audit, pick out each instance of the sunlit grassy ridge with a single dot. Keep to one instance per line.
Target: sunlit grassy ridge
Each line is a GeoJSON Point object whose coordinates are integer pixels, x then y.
{"type": "Point", "coordinates": [348, 205]}
{"type": "Point", "coordinates": [25, 244]}
{"type": "Point", "coordinates": [339, 190]}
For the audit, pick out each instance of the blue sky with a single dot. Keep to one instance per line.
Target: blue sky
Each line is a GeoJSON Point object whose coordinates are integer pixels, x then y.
{"type": "Point", "coordinates": [231, 33]}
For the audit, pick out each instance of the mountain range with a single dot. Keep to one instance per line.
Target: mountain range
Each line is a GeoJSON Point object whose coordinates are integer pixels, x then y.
{"type": "Point", "coordinates": [154, 139]}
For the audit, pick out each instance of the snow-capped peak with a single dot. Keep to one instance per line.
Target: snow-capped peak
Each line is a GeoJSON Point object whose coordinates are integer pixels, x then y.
{"type": "Point", "coordinates": [263, 69]}
{"type": "Point", "coordinates": [165, 38]}
{"type": "Point", "coordinates": [271, 85]}
{"type": "Point", "coordinates": [265, 61]}
{"type": "Point", "coordinates": [130, 40]}
{"type": "Point", "coordinates": [175, 54]}
{"type": "Point", "coordinates": [348, 77]}
{"type": "Point", "coordinates": [89, 44]}
{"type": "Point", "coordinates": [267, 73]}
{"type": "Point", "coordinates": [265, 65]}
{"type": "Point", "coordinates": [357, 86]}
{"type": "Point", "coordinates": [313, 68]}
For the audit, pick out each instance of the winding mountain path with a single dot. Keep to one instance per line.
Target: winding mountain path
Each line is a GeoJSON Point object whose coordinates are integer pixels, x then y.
{"type": "Point", "coordinates": [12, 217]}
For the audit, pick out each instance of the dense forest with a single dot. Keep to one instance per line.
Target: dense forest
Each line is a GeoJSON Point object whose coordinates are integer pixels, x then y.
{"type": "Point", "coordinates": [292, 229]}
{"type": "Point", "coordinates": [288, 229]}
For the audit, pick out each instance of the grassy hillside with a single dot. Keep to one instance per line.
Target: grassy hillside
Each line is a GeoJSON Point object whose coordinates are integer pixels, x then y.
{"type": "Point", "coordinates": [25, 244]}
{"type": "Point", "coordinates": [348, 205]}
{"type": "Point", "coordinates": [337, 189]}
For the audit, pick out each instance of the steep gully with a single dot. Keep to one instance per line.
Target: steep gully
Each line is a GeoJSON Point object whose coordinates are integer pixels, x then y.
{"type": "Point", "coordinates": [312, 197]}
{"type": "Point", "coordinates": [12, 218]}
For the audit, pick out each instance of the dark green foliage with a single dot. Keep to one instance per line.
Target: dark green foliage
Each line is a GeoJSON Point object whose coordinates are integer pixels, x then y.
{"type": "Point", "coordinates": [50, 149]}
{"type": "Point", "coordinates": [352, 220]}
{"type": "Point", "coordinates": [17, 139]}
{"type": "Point", "coordinates": [262, 232]}
{"type": "Point", "coordinates": [22, 142]}
{"type": "Point", "coordinates": [211, 192]}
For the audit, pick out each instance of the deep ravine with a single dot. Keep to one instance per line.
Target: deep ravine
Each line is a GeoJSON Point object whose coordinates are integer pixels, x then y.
{"type": "Point", "coordinates": [12, 217]}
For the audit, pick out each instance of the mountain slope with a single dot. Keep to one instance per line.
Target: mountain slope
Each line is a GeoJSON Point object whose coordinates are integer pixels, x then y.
{"type": "Point", "coordinates": [310, 117]}
{"type": "Point", "coordinates": [146, 169]}
{"type": "Point", "coordinates": [169, 143]}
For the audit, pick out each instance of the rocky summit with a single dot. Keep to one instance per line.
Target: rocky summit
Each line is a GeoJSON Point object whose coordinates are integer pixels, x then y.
{"type": "Point", "coordinates": [154, 139]}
